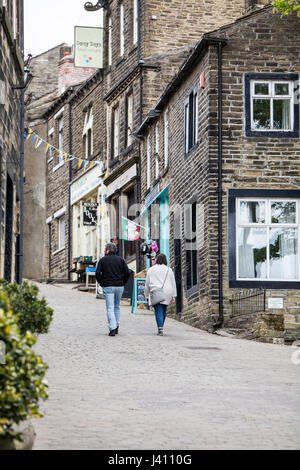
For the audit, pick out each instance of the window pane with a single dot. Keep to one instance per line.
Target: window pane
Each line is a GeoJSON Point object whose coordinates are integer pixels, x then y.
{"type": "Point", "coordinates": [252, 212]}
{"type": "Point", "coordinates": [261, 114]}
{"type": "Point", "coordinates": [281, 88]}
{"type": "Point", "coordinates": [283, 253]}
{"type": "Point", "coordinates": [261, 88]}
{"type": "Point", "coordinates": [283, 212]}
{"type": "Point", "coordinates": [252, 253]}
{"type": "Point", "coordinates": [281, 110]}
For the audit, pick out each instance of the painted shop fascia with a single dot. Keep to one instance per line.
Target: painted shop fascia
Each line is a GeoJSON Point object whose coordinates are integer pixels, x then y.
{"type": "Point", "coordinates": [228, 167]}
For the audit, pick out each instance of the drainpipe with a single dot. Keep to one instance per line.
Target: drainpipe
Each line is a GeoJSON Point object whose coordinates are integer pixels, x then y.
{"type": "Point", "coordinates": [20, 254]}
{"type": "Point", "coordinates": [69, 190]}
{"type": "Point", "coordinates": [139, 63]}
{"type": "Point", "coordinates": [220, 320]}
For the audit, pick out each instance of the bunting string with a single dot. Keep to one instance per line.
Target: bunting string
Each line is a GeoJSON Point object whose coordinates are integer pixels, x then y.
{"type": "Point", "coordinates": [32, 137]}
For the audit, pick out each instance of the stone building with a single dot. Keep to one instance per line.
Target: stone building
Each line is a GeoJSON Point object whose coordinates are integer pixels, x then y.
{"type": "Point", "coordinates": [46, 191]}
{"type": "Point", "coordinates": [146, 42]}
{"type": "Point", "coordinates": [11, 137]}
{"type": "Point", "coordinates": [233, 177]}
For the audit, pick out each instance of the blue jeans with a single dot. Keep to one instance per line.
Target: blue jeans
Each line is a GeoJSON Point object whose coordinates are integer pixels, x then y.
{"type": "Point", "coordinates": [113, 297]}
{"type": "Point", "coordinates": [160, 314]}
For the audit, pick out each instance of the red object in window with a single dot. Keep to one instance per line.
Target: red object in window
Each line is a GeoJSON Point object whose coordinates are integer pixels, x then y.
{"type": "Point", "coordinates": [202, 80]}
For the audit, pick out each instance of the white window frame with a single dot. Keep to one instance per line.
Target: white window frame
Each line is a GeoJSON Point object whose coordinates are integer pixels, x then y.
{"type": "Point", "coordinates": [60, 125]}
{"type": "Point", "coordinates": [122, 27]}
{"type": "Point", "coordinates": [267, 224]}
{"type": "Point", "coordinates": [61, 242]}
{"type": "Point", "coordinates": [88, 126]}
{"type": "Point", "coordinates": [129, 129]}
{"type": "Point", "coordinates": [157, 150]}
{"type": "Point", "coordinates": [109, 41]}
{"type": "Point", "coordinates": [148, 161]}
{"type": "Point", "coordinates": [116, 129]}
{"type": "Point", "coordinates": [135, 21]}
{"type": "Point", "coordinates": [166, 138]}
{"type": "Point", "coordinates": [272, 96]}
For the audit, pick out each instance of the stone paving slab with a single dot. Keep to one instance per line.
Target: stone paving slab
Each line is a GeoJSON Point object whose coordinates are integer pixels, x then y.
{"type": "Point", "coordinates": [186, 390]}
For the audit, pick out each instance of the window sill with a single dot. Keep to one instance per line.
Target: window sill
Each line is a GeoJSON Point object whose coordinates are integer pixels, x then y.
{"type": "Point", "coordinates": [127, 150]}
{"type": "Point", "coordinates": [164, 172]}
{"type": "Point", "coordinates": [273, 134]}
{"type": "Point", "coordinates": [265, 284]}
{"type": "Point", "coordinates": [192, 290]}
{"type": "Point", "coordinates": [120, 60]}
{"type": "Point", "coordinates": [58, 251]}
{"type": "Point", "coordinates": [191, 151]}
{"type": "Point", "coordinates": [113, 162]}
{"type": "Point", "coordinates": [133, 49]}
{"type": "Point", "coordinates": [58, 166]}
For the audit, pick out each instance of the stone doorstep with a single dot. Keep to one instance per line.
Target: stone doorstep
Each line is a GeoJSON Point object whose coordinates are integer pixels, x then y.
{"type": "Point", "coordinates": [27, 430]}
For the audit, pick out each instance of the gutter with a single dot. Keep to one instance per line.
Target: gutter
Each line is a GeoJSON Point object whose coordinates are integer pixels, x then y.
{"type": "Point", "coordinates": [220, 320]}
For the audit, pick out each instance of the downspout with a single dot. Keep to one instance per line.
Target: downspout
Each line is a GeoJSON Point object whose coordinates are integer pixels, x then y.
{"type": "Point", "coordinates": [69, 190]}
{"type": "Point", "coordinates": [140, 122]}
{"type": "Point", "coordinates": [20, 254]}
{"type": "Point", "coordinates": [220, 320]}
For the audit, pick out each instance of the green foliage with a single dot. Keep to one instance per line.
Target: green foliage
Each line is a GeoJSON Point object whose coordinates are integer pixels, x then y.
{"type": "Point", "coordinates": [286, 7]}
{"type": "Point", "coordinates": [22, 381]}
{"type": "Point", "coordinates": [32, 313]}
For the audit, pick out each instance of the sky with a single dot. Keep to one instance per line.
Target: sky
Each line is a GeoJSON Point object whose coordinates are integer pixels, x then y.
{"type": "Point", "coordinates": [51, 22]}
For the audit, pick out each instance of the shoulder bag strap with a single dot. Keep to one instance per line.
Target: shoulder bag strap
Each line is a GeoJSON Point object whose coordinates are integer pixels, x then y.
{"type": "Point", "coordinates": [165, 278]}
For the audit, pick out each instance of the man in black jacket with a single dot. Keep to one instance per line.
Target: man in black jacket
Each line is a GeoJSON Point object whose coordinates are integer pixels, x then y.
{"type": "Point", "coordinates": [112, 274]}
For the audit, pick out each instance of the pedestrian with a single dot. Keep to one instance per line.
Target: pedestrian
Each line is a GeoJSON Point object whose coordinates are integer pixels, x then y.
{"type": "Point", "coordinates": [160, 285]}
{"type": "Point", "coordinates": [112, 274]}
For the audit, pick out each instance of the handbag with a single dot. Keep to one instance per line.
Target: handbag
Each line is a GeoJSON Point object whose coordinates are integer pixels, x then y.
{"type": "Point", "coordinates": [157, 295]}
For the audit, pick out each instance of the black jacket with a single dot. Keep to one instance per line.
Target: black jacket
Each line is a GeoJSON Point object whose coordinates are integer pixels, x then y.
{"type": "Point", "coordinates": [112, 271]}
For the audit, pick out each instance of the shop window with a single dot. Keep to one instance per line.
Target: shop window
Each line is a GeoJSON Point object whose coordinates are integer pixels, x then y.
{"type": "Point", "coordinates": [129, 246]}
{"type": "Point", "coordinates": [190, 230]}
{"type": "Point", "coordinates": [271, 108]}
{"type": "Point", "coordinates": [87, 134]}
{"type": "Point", "coordinates": [264, 238]}
{"type": "Point", "coordinates": [191, 120]}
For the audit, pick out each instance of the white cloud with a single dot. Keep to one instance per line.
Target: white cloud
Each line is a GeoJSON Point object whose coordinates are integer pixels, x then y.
{"type": "Point", "coordinates": [48, 24]}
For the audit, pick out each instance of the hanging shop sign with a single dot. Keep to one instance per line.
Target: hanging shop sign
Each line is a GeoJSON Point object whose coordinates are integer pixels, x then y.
{"type": "Point", "coordinates": [89, 214]}
{"type": "Point", "coordinates": [88, 47]}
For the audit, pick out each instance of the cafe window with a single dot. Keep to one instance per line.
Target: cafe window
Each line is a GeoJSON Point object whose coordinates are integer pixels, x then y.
{"type": "Point", "coordinates": [264, 242]}
{"type": "Point", "coordinates": [270, 105]}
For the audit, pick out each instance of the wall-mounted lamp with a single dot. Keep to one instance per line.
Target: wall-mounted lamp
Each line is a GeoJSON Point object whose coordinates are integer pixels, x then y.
{"type": "Point", "coordinates": [100, 4]}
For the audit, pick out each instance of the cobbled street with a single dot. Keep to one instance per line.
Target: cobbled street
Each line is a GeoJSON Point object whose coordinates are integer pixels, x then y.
{"type": "Point", "coordinates": [186, 390]}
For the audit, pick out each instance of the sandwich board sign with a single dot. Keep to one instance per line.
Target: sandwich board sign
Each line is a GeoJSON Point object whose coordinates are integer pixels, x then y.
{"type": "Point", "coordinates": [88, 45]}
{"type": "Point", "coordinates": [138, 296]}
